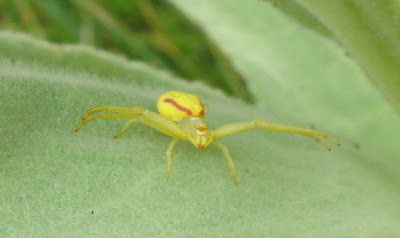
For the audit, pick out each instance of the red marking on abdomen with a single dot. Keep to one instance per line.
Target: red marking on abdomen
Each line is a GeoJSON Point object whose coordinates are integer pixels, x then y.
{"type": "Point", "coordinates": [202, 113]}
{"type": "Point", "coordinates": [179, 107]}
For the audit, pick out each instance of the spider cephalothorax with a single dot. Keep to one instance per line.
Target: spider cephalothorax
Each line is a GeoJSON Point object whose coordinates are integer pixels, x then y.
{"type": "Point", "coordinates": [181, 117]}
{"type": "Point", "coordinates": [196, 131]}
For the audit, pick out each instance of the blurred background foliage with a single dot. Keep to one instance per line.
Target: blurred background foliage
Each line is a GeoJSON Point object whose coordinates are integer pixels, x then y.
{"type": "Point", "coordinates": [152, 31]}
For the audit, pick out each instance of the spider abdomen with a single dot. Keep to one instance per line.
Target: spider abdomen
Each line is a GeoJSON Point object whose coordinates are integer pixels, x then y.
{"type": "Point", "coordinates": [175, 106]}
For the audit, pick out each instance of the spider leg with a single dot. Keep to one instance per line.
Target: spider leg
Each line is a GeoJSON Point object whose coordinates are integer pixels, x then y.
{"type": "Point", "coordinates": [237, 127]}
{"type": "Point", "coordinates": [228, 159]}
{"type": "Point", "coordinates": [169, 151]}
{"type": "Point", "coordinates": [162, 124]}
{"type": "Point", "coordinates": [125, 127]}
{"type": "Point", "coordinates": [136, 113]}
{"type": "Point", "coordinates": [116, 109]}
{"type": "Point", "coordinates": [103, 115]}
{"type": "Point", "coordinates": [318, 140]}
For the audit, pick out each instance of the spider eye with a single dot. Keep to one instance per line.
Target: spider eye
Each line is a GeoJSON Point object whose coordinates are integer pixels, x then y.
{"type": "Point", "coordinates": [202, 128]}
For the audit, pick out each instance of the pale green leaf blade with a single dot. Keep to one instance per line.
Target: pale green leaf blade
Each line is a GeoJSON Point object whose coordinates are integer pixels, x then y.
{"type": "Point", "coordinates": [58, 183]}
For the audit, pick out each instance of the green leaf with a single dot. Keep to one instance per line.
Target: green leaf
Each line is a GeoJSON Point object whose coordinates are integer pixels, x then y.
{"type": "Point", "coordinates": [55, 182]}
{"type": "Point", "coordinates": [370, 30]}
{"type": "Point", "coordinates": [303, 16]}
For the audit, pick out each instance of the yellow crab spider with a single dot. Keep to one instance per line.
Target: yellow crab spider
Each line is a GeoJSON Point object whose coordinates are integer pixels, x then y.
{"type": "Point", "coordinates": [181, 117]}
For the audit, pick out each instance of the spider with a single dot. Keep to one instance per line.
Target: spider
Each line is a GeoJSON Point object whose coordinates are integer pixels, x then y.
{"type": "Point", "coordinates": [181, 117]}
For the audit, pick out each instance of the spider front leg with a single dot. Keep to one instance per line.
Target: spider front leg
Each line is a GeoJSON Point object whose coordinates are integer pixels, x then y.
{"type": "Point", "coordinates": [134, 114]}
{"type": "Point", "coordinates": [237, 127]}
{"type": "Point", "coordinates": [114, 112]}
